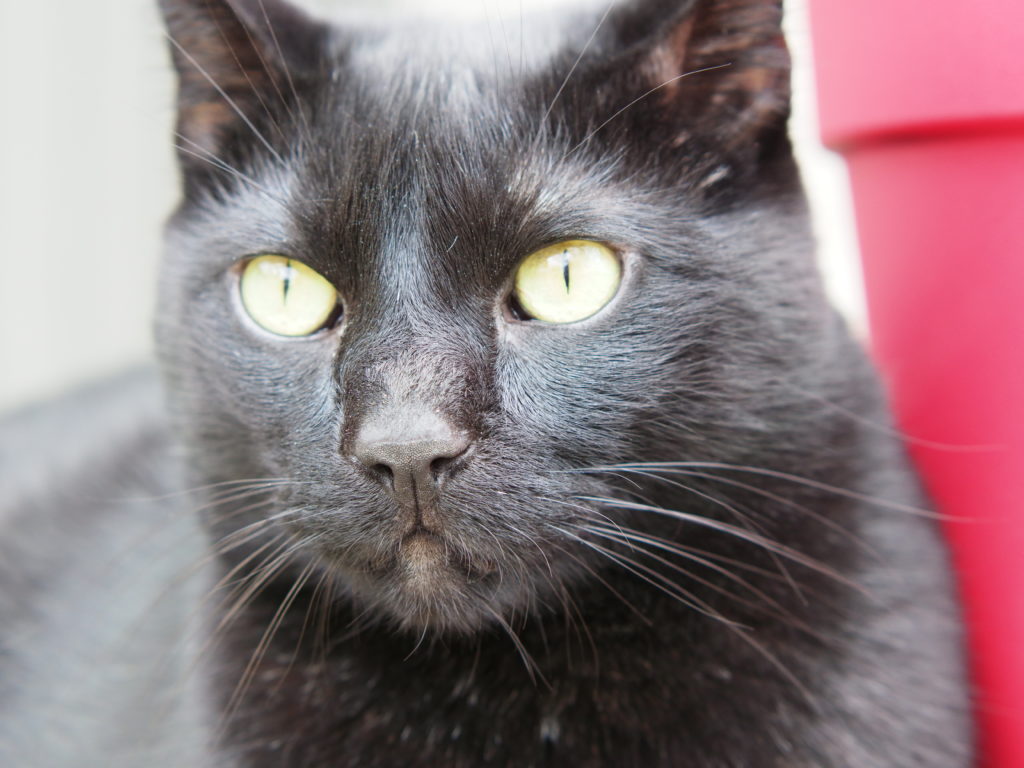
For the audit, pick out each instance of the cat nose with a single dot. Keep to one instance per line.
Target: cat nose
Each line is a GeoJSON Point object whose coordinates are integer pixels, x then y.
{"type": "Point", "coordinates": [410, 454]}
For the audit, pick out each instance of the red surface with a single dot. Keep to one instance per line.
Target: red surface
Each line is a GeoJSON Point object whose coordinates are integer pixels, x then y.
{"type": "Point", "coordinates": [926, 101]}
{"type": "Point", "coordinates": [942, 232]}
{"type": "Point", "coordinates": [898, 66]}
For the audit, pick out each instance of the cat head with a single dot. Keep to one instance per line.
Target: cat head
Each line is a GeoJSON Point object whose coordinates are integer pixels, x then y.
{"type": "Point", "coordinates": [431, 287]}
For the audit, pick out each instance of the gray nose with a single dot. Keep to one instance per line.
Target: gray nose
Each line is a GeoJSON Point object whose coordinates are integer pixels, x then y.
{"type": "Point", "coordinates": [410, 452]}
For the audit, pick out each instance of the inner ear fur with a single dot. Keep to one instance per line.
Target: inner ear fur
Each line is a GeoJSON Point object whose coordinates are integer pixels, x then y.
{"type": "Point", "coordinates": [237, 61]}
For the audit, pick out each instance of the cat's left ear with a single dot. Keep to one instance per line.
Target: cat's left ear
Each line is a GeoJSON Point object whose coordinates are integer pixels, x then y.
{"type": "Point", "coordinates": [241, 65]}
{"type": "Point", "coordinates": [718, 68]}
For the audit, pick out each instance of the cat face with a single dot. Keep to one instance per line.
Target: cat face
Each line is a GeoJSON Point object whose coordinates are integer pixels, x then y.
{"type": "Point", "coordinates": [434, 444]}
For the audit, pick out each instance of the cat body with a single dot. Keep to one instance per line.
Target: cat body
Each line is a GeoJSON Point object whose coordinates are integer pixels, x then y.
{"type": "Point", "coordinates": [678, 532]}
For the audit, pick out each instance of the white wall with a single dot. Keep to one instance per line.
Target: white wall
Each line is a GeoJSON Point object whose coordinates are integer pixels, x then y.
{"type": "Point", "coordinates": [87, 177]}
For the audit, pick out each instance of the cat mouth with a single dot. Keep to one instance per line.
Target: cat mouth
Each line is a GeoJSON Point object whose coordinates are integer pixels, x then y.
{"type": "Point", "coordinates": [426, 560]}
{"type": "Point", "coordinates": [426, 579]}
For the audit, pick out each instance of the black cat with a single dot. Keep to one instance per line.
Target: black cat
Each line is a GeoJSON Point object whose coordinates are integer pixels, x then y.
{"type": "Point", "coordinates": [519, 428]}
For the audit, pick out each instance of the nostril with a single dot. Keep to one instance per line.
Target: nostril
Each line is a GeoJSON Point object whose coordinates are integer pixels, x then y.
{"type": "Point", "coordinates": [403, 454]}
{"type": "Point", "coordinates": [441, 466]}
{"type": "Point", "coordinates": [449, 456]}
{"type": "Point", "coordinates": [384, 474]}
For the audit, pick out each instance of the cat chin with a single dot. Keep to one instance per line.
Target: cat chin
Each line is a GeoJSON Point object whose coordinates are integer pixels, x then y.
{"type": "Point", "coordinates": [426, 583]}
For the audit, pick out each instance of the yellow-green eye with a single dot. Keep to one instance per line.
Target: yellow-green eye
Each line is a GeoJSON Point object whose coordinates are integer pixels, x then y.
{"type": "Point", "coordinates": [286, 297]}
{"type": "Point", "coordinates": [568, 281]}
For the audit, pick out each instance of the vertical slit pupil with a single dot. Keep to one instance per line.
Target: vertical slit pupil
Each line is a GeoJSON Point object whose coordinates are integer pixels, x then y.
{"type": "Point", "coordinates": [565, 269]}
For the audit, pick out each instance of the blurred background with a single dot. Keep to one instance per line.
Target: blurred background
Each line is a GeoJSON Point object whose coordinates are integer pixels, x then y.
{"type": "Point", "coordinates": [87, 178]}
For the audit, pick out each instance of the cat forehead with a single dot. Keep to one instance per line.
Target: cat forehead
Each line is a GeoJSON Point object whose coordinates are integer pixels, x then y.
{"type": "Point", "coordinates": [530, 183]}
{"type": "Point", "coordinates": [452, 62]}
{"type": "Point", "coordinates": [408, 129]}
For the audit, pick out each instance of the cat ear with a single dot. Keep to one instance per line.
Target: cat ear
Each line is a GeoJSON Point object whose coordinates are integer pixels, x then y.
{"type": "Point", "coordinates": [718, 68]}
{"type": "Point", "coordinates": [240, 65]}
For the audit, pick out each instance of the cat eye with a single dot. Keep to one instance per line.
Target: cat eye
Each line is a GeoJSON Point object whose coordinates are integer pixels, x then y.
{"type": "Point", "coordinates": [567, 282]}
{"type": "Point", "coordinates": [287, 298]}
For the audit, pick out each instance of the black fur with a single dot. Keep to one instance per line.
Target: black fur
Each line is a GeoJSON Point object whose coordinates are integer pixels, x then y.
{"type": "Point", "coordinates": [684, 535]}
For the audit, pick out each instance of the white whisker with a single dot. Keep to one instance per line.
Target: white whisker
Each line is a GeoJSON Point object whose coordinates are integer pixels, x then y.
{"type": "Point", "coordinates": [637, 100]}
{"type": "Point", "coordinates": [223, 94]}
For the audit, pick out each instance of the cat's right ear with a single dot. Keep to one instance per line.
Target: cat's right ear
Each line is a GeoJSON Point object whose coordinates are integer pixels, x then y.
{"type": "Point", "coordinates": [242, 66]}
{"type": "Point", "coordinates": [712, 71]}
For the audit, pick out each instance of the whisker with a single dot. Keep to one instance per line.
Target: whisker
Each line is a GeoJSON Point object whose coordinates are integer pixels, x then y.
{"type": "Point", "coordinates": [572, 69]}
{"type": "Point", "coordinates": [211, 486]}
{"type": "Point", "coordinates": [323, 631]}
{"type": "Point", "coordinates": [885, 429]}
{"type": "Point", "coordinates": [708, 555]}
{"type": "Point", "coordinates": [280, 541]}
{"type": "Point", "coordinates": [241, 565]}
{"type": "Point", "coordinates": [212, 637]}
{"type": "Point", "coordinates": [667, 586]}
{"type": "Point", "coordinates": [637, 100]}
{"type": "Point", "coordinates": [668, 546]}
{"type": "Point", "coordinates": [574, 614]}
{"type": "Point", "coordinates": [257, 656]}
{"type": "Point", "coordinates": [319, 591]}
{"type": "Point", "coordinates": [519, 532]}
{"type": "Point", "coordinates": [532, 668]}
{"type": "Point", "coordinates": [284, 65]}
{"type": "Point", "coordinates": [245, 72]}
{"type": "Point", "coordinates": [223, 94]}
{"type": "Point", "coordinates": [258, 579]}
{"type": "Point", "coordinates": [816, 484]}
{"type": "Point", "coordinates": [603, 582]}
{"type": "Point", "coordinates": [187, 572]}
{"type": "Point", "coordinates": [419, 642]}
{"type": "Point", "coordinates": [813, 514]}
{"type": "Point", "coordinates": [220, 548]}
{"type": "Point", "coordinates": [753, 538]}
{"type": "Point", "coordinates": [739, 515]}
{"type": "Point", "coordinates": [739, 630]}
{"type": "Point", "coordinates": [589, 512]}
{"type": "Point", "coordinates": [490, 38]}
{"type": "Point", "coordinates": [504, 36]}
{"type": "Point", "coordinates": [233, 539]}
{"type": "Point", "coordinates": [233, 496]}
{"type": "Point", "coordinates": [217, 163]}
{"type": "Point", "coordinates": [774, 608]}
